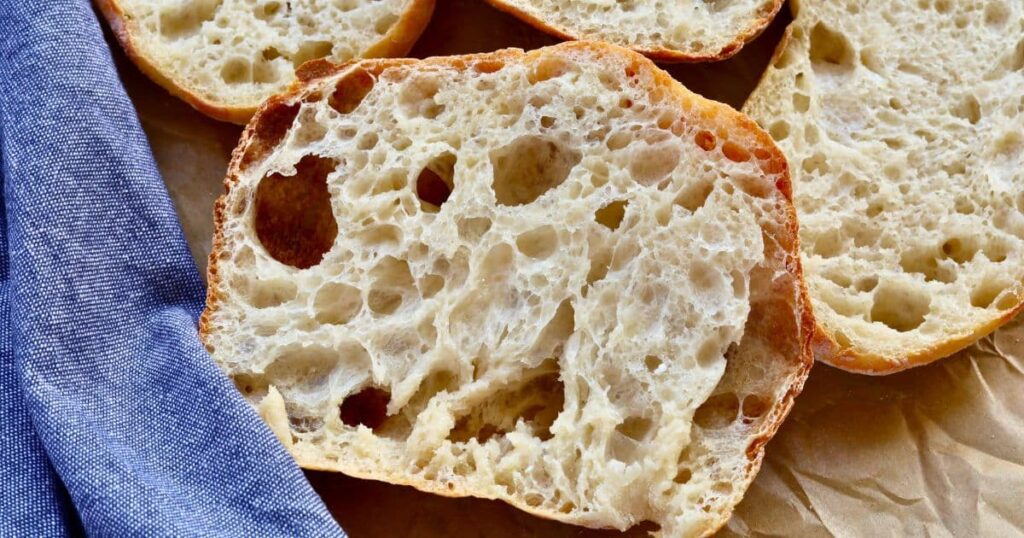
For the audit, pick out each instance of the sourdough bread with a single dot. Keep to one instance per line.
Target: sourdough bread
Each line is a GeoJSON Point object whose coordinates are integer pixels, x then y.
{"type": "Point", "coordinates": [904, 125]}
{"type": "Point", "coordinates": [224, 57]}
{"type": "Point", "coordinates": [554, 278]}
{"type": "Point", "coordinates": [690, 30]}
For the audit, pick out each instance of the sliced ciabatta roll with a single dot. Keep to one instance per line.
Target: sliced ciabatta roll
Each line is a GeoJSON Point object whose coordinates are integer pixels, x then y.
{"type": "Point", "coordinates": [554, 278]}
{"type": "Point", "coordinates": [687, 30]}
{"type": "Point", "coordinates": [224, 57]}
{"type": "Point", "coordinates": [904, 125]}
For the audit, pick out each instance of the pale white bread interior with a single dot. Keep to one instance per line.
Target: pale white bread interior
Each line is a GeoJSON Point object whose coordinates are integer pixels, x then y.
{"type": "Point", "coordinates": [904, 126]}
{"type": "Point", "coordinates": [226, 56]}
{"type": "Point", "coordinates": [671, 30]}
{"type": "Point", "coordinates": [554, 278]}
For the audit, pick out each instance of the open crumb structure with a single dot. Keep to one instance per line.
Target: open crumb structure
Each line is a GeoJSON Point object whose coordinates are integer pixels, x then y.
{"type": "Point", "coordinates": [553, 278]}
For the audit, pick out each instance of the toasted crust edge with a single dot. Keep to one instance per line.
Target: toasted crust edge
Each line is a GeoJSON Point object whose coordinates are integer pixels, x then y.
{"type": "Point", "coordinates": [857, 361]}
{"type": "Point", "coordinates": [316, 69]}
{"type": "Point", "coordinates": [656, 53]}
{"type": "Point", "coordinates": [398, 41]}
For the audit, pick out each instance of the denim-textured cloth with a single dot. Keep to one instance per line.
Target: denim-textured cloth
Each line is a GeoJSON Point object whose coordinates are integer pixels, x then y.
{"type": "Point", "coordinates": [114, 421]}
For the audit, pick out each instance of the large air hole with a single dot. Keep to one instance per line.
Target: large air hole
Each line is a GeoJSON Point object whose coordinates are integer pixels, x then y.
{"type": "Point", "coordinates": [996, 13]}
{"type": "Point", "coordinates": [600, 262]}
{"type": "Point", "coordinates": [337, 303]}
{"type": "Point", "coordinates": [735, 152]}
{"type": "Point", "coordinates": [870, 59]}
{"type": "Point", "coordinates": [718, 411]}
{"type": "Point", "coordinates": [368, 407]}
{"type": "Point", "coordinates": [694, 195]}
{"type": "Point", "coordinates": [535, 399]}
{"type": "Point", "coordinates": [830, 50]}
{"type": "Point", "coordinates": [430, 285]}
{"type": "Point", "coordinates": [303, 373]}
{"type": "Point", "coordinates": [392, 282]}
{"type": "Point", "coordinates": [636, 428]}
{"type": "Point", "coordinates": [611, 215]}
{"type": "Point", "coordinates": [268, 10]}
{"type": "Point", "coordinates": [380, 236]}
{"type": "Point", "coordinates": [1009, 146]}
{"type": "Point", "coordinates": [927, 262]}
{"type": "Point", "coordinates": [236, 71]}
{"type": "Point", "coordinates": [350, 90]}
{"type": "Point", "coordinates": [899, 306]}
{"type": "Point", "coordinates": [529, 167]}
{"type": "Point", "coordinates": [628, 438]}
{"type": "Point", "coordinates": [779, 130]}
{"type": "Point", "coordinates": [755, 406]}
{"type": "Point", "coordinates": [552, 339]}
{"type": "Point", "coordinates": [993, 292]}
{"type": "Point", "coordinates": [705, 140]}
{"type": "Point", "coordinates": [651, 163]}
{"type": "Point", "coordinates": [253, 386]}
{"type": "Point", "coordinates": [471, 229]}
{"type": "Point", "coordinates": [538, 243]}
{"type": "Point", "coordinates": [271, 126]}
{"type": "Point", "coordinates": [293, 217]}
{"type": "Point", "coordinates": [828, 244]}
{"type": "Point", "coordinates": [548, 67]}
{"type": "Point", "coordinates": [186, 18]}
{"type": "Point", "coordinates": [969, 109]}
{"type": "Point", "coordinates": [435, 182]}
{"type": "Point", "coordinates": [1017, 57]}
{"type": "Point", "coordinates": [960, 250]}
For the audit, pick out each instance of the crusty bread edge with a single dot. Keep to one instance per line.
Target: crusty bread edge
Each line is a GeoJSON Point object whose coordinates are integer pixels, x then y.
{"type": "Point", "coordinates": [398, 41]}
{"type": "Point", "coordinates": [828, 350]}
{"type": "Point", "coordinates": [321, 68]}
{"type": "Point", "coordinates": [655, 53]}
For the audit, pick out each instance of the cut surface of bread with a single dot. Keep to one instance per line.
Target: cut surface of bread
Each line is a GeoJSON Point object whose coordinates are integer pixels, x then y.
{"type": "Point", "coordinates": [224, 57]}
{"type": "Point", "coordinates": [904, 126]}
{"type": "Point", "coordinates": [687, 30]}
{"type": "Point", "coordinates": [554, 278]}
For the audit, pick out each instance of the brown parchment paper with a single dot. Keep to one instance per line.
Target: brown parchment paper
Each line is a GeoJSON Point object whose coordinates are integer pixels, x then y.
{"type": "Point", "coordinates": [934, 451]}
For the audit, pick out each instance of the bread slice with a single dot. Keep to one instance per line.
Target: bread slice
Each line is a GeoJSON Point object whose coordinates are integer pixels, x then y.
{"type": "Point", "coordinates": [688, 31]}
{"type": "Point", "coordinates": [904, 124]}
{"type": "Point", "coordinates": [224, 57]}
{"type": "Point", "coordinates": [554, 278]}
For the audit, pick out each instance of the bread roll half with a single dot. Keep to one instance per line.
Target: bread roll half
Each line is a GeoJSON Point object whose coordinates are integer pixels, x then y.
{"type": "Point", "coordinates": [667, 30]}
{"type": "Point", "coordinates": [904, 124]}
{"type": "Point", "coordinates": [554, 278]}
{"type": "Point", "coordinates": [224, 57]}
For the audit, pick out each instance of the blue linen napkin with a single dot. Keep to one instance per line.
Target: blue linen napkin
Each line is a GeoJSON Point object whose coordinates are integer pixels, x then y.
{"type": "Point", "coordinates": [113, 419]}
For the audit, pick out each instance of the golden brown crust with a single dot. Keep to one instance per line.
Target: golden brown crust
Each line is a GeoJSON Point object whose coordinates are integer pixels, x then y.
{"type": "Point", "coordinates": [403, 35]}
{"type": "Point", "coordinates": [266, 122]}
{"type": "Point", "coordinates": [829, 351]}
{"type": "Point", "coordinates": [659, 54]}
{"type": "Point", "coordinates": [398, 41]}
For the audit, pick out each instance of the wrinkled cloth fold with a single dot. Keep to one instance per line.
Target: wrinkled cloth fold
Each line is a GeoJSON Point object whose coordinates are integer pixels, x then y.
{"type": "Point", "coordinates": [113, 419]}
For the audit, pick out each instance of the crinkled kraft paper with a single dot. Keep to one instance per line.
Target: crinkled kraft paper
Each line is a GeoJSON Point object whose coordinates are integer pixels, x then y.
{"type": "Point", "coordinates": [934, 451]}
